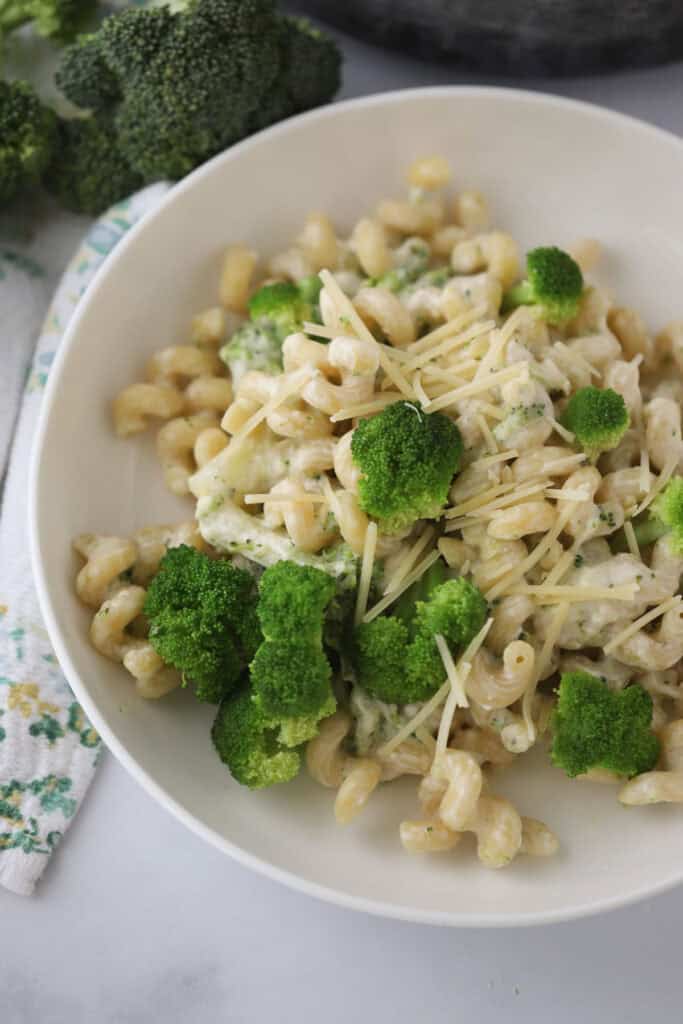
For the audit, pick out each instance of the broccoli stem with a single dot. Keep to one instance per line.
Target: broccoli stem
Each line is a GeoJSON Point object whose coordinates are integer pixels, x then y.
{"type": "Point", "coordinates": [650, 531]}
{"type": "Point", "coordinates": [647, 531]}
{"type": "Point", "coordinates": [519, 295]}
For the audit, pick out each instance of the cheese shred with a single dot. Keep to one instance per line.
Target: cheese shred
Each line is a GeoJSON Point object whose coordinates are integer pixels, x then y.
{"type": "Point", "coordinates": [407, 581]}
{"type": "Point", "coordinates": [644, 620]}
{"type": "Point", "coordinates": [367, 565]}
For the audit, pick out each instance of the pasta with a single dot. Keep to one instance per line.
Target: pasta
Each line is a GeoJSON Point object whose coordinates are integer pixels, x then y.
{"type": "Point", "coordinates": [556, 544]}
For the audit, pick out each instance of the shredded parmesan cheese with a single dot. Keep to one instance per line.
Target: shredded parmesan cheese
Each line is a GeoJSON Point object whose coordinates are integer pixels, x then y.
{"type": "Point", "coordinates": [458, 323]}
{"type": "Point", "coordinates": [491, 410]}
{"type": "Point", "coordinates": [379, 402]}
{"type": "Point", "coordinates": [449, 344]}
{"type": "Point", "coordinates": [576, 358]}
{"type": "Point", "coordinates": [434, 702]}
{"type": "Point", "coordinates": [422, 395]}
{"type": "Point", "coordinates": [510, 499]}
{"type": "Point", "coordinates": [660, 483]}
{"type": "Point", "coordinates": [408, 559]}
{"type": "Point", "coordinates": [568, 494]}
{"type": "Point", "coordinates": [396, 376]}
{"type": "Point", "coordinates": [367, 565]}
{"type": "Point", "coordinates": [476, 387]}
{"type": "Point", "coordinates": [542, 664]}
{"type": "Point", "coordinates": [564, 562]}
{"type": "Point", "coordinates": [407, 581]}
{"type": "Point", "coordinates": [491, 460]}
{"type": "Point", "coordinates": [346, 311]}
{"type": "Point", "coordinates": [644, 469]}
{"type": "Point", "coordinates": [477, 500]}
{"type": "Point", "coordinates": [565, 434]}
{"type": "Point", "coordinates": [635, 627]}
{"type": "Point", "coordinates": [409, 728]}
{"type": "Point", "coordinates": [546, 594]}
{"type": "Point", "coordinates": [543, 546]}
{"type": "Point", "coordinates": [299, 498]}
{"type": "Point", "coordinates": [290, 386]}
{"type": "Point", "coordinates": [487, 434]}
{"type": "Point", "coordinates": [631, 539]}
{"type": "Point", "coordinates": [457, 678]}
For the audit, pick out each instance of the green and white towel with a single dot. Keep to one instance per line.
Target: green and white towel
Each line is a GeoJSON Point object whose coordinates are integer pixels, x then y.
{"type": "Point", "coordinates": [48, 750]}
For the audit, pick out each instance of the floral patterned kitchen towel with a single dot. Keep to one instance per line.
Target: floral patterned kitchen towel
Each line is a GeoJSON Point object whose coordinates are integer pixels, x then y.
{"type": "Point", "coordinates": [48, 750]}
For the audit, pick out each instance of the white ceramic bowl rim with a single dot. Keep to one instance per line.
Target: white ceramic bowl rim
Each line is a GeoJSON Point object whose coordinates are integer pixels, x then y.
{"type": "Point", "coordinates": [270, 870]}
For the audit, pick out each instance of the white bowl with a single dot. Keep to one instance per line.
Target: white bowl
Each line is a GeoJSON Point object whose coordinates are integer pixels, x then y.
{"type": "Point", "coordinates": [554, 170]}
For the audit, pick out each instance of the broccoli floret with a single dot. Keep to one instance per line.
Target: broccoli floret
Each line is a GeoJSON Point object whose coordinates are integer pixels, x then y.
{"type": "Point", "coordinates": [203, 621]}
{"type": "Point", "coordinates": [281, 305]}
{"type": "Point", "coordinates": [292, 732]}
{"type": "Point", "coordinates": [290, 678]}
{"type": "Point", "coordinates": [56, 19]}
{"type": "Point", "coordinates": [293, 599]}
{"type": "Point", "coordinates": [183, 84]}
{"type": "Point", "coordinates": [598, 418]}
{"type": "Point", "coordinates": [252, 347]}
{"type": "Point", "coordinates": [379, 656]}
{"type": "Point", "coordinates": [87, 173]}
{"type": "Point", "coordinates": [290, 673]}
{"type": "Point", "coordinates": [665, 517]}
{"type": "Point", "coordinates": [407, 460]}
{"type": "Point", "coordinates": [412, 261]}
{"type": "Point", "coordinates": [554, 285]}
{"type": "Point", "coordinates": [28, 133]}
{"type": "Point", "coordinates": [396, 656]}
{"type": "Point", "coordinates": [275, 311]}
{"type": "Point", "coordinates": [249, 747]}
{"type": "Point", "coordinates": [457, 610]}
{"type": "Point", "coordinates": [594, 727]}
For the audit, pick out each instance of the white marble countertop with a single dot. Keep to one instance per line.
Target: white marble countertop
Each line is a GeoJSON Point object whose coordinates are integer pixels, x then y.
{"type": "Point", "coordinates": [137, 920]}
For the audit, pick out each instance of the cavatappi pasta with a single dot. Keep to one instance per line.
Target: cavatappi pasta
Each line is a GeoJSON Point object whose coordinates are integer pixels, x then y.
{"type": "Point", "coordinates": [256, 427]}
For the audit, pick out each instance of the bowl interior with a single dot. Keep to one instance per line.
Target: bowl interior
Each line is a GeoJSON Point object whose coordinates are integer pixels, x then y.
{"type": "Point", "coordinates": [554, 171]}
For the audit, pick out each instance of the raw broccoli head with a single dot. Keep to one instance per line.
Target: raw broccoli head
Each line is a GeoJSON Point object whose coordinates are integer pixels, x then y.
{"type": "Point", "coordinates": [87, 173]}
{"type": "Point", "coordinates": [554, 284]}
{"type": "Point", "coordinates": [202, 616]}
{"type": "Point", "coordinates": [84, 76]}
{"type": "Point", "coordinates": [292, 602]}
{"type": "Point", "coordinates": [396, 656]}
{"type": "Point", "coordinates": [379, 656]}
{"type": "Point", "coordinates": [407, 460]}
{"type": "Point", "coordinates": [594, 727]}
{"type": "Point", "coordinates": [290, 678]}
{"type": "Point", "coordinates": [183, 85]}
{"type": "Point", "coordinates": [28, 133]}
{"type": "Point", "coordinates": [249, 747]}
{"type": "Point", "coordinates": [281, 306]}
{"type": "Point", "coordinates": [57, 19]}
{"type": "Point", "coordinates": [598, 418]}
{"type": "Point", "coordinates": [310, 65]}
